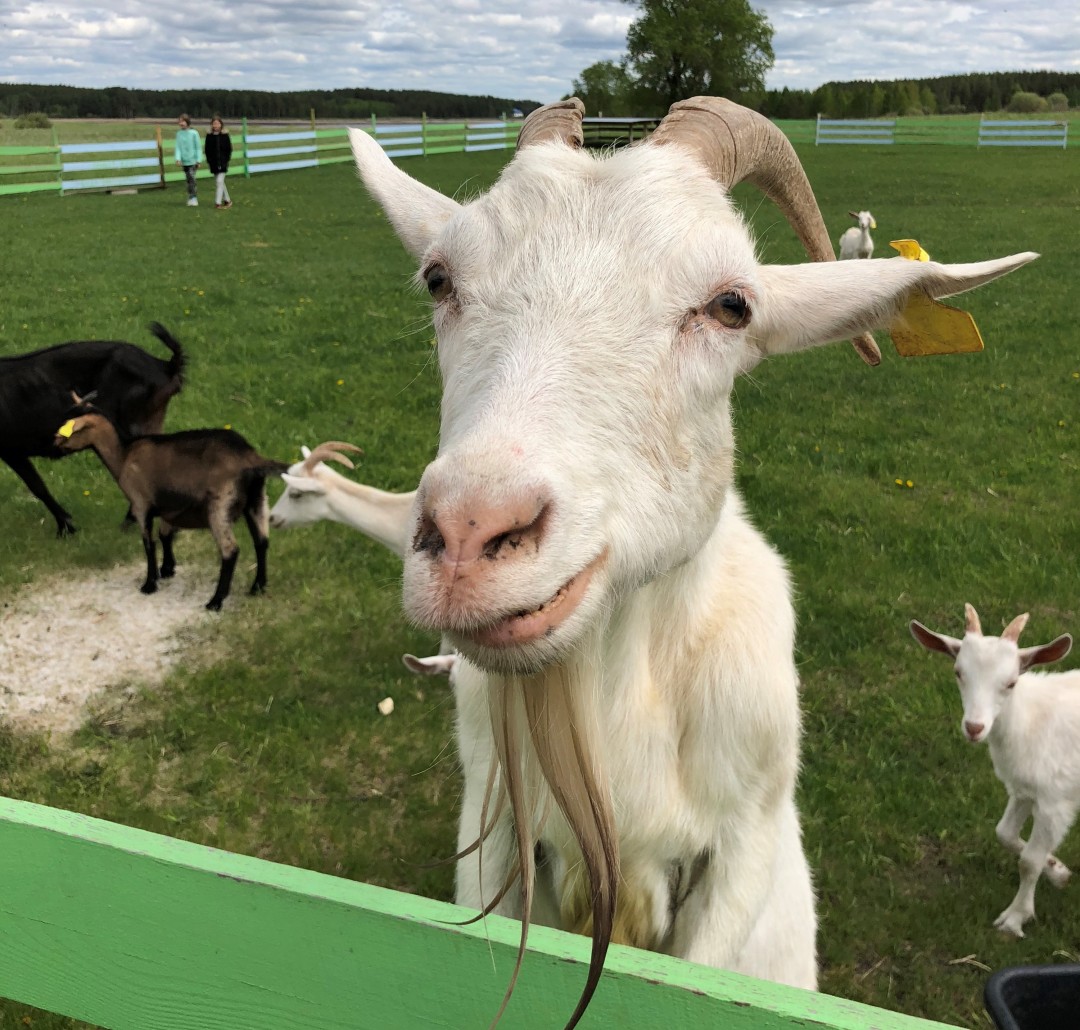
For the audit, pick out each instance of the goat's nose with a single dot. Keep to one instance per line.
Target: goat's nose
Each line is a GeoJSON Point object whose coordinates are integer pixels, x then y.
{"type": "Point", "coordinates": [477, 527]}
{"type": "Point", "coordinates": [973, 729]}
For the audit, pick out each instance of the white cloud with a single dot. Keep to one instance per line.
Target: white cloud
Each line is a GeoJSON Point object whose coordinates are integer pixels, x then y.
{"type": "Point", "coordinates": [496, 47]}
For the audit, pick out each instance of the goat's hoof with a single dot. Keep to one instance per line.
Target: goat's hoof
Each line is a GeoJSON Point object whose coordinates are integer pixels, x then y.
{"type": "Point", "coordinates": [148, 588]}
{"type": "Point", "coordinates": [66, 528]}
{"type": "Point", "coordinates": [214, 604]}
{"type": "Point", "coordinates": [167, 571]}
{"type": "Point", "coordinates": [1010, 922]}
{"type": "Point", "coordinates": [1058, 873]}
{"type": "Point", "coordinates": [257, 588]}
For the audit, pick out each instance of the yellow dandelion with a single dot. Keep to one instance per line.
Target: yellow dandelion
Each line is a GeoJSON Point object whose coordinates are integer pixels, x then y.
{"type": "Point", "coordinates": [1076, 375]}
{"type": "Point", "coordinates": [898, 482]}
{"type": "Point", "coordinates": [909, 484]}
{"type": "Point", "coordinates": [228, 425]}
{"type": "Point", "coordinates": [202, 293]}
{"type": "Point", "coordinates": [816, 447]}
{"type": "Point", "coordinates": [1061, 421]}
{"type": "Point", "coordinates": [86, 493]}
{"type": "Point", "coordinates": [341, 382]}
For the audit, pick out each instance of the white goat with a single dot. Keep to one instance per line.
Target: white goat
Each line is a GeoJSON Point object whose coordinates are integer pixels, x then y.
{"type": "Point", "coordinates": [314, 491]}
{"type": "Point", "coordinates": [1031, 723]}
{"type": "Point", "coordinates": [856, 241]}
{"type": "Point", "coordinates": [627, 697]}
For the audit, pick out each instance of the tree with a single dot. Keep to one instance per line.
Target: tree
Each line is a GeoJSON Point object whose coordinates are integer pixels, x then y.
{"type": "Point", "coordinates": [686, 48]}
{"type": "Point", "coordinates": [605, 87]}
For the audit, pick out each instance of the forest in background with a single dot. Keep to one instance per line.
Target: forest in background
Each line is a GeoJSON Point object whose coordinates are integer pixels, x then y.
{"type": "Point", "coordinates": [946, 94]}
{"type": "Point", "coordinates": [120, 102]}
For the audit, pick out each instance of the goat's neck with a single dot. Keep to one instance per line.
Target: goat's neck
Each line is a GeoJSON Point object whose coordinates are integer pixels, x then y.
{"type": "Point", "coordinates": [110, 450]}
{"type": "Point", "coordinates": [381, 515]}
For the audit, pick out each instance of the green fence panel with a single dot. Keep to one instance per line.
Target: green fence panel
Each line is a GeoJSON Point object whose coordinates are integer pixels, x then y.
{"type": "Point", "coordinates": [135, 931]}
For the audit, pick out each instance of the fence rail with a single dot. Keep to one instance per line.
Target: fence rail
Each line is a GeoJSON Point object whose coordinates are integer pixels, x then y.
{"type": "Point", "coordinates": [253, 152]}
{"type": "Point", "coordinates": [1023, 134]}
{"type": "Point", "coordinates": [855, 130]}
{"type": "Point", "coordinates": [129, 930]}
{"type": "Point", "coordinates": [23, 170]}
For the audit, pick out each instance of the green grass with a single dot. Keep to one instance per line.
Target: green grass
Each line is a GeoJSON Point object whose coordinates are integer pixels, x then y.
{"type": "Point", "coordinates": [277, 749]}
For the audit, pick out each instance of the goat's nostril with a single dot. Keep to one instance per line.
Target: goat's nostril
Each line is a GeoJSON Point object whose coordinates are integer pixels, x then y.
{"type": "Point", "coordinates": [428, 536]}
{"type": "Point", "coordinates": [973, 729]}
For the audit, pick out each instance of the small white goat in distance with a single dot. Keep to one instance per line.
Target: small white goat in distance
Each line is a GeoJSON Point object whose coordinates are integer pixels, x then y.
{"type": "Point", "coordinates": [314, 491]}
{"type": "Point", "coordinates": [1031, 723]}
{"type": "Point", "coordinates": [627, 697]}
{"type": "Point", "coordinates": [856, 242]}
{"type": "Point", "coordinates": [194, 479]}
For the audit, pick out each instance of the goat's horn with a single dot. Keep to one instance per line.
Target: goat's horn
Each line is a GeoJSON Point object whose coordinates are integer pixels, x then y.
{"type": "Point", "coordinates": [330, 451]}
{"type": "Point", "coordinates": [737, 144]}
{"type": "Point", "coordinates": [971, 620]}
{"type": "Point", "coordinates": [558, 121]}
{"type": "Point", "coordinates": [1015, 628]}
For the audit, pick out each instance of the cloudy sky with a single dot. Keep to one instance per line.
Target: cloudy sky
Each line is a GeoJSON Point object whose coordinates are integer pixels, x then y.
{"type": "Point", "coordinates": [505, 48]}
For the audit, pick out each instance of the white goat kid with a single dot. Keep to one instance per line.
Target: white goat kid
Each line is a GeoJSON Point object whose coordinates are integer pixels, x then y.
{"type": "Point", "coordinates": [314, 491]}
{"type": "Point", "coordinates": [1031, 723]}
{"type": "Point", "coordinates": [627, 681]}
{"type": "Point", "coordinates": [856, 242]}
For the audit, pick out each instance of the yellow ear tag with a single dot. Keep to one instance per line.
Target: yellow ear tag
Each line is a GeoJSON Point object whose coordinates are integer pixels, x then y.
{"type": "Point", "coordinates": [927, 326]}
{"type": "Point", "coordinates": [67, 428]}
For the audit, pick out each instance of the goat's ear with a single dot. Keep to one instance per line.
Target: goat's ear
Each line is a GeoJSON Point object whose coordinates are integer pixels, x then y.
{"type": "Point", "coordinates": [417, 212]}
{"type": "Point", "coordinates": [305, 451]}
{"type": "Point", "coordinates": [303, 484]}
{"type": "Point", "coordinates": [934, 641]}
{"type": "Point", "coordinates": [802, 306]}
{"type": "Point", "coordinates": [1043, 654]}
{"type": "Point", "coordinates": [438, 664]}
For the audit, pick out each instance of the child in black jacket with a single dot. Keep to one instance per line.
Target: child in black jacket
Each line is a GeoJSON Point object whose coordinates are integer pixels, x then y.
{"type": "Point", "coordinates": [218, 149]}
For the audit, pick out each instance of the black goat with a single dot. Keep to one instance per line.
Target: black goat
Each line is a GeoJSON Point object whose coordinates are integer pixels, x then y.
{"type": "Point", "coordinates": [194, 479]}
{"type": "Point", "coordinates": [132, 388]}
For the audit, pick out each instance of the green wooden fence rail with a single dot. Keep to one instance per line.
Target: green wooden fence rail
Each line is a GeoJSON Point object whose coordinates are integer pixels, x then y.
{"type": "Point", "coordinates": [134, 931]}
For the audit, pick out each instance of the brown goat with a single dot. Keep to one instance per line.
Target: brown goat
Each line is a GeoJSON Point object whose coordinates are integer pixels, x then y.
{"type": "Point", "coordinates": [195, 479]}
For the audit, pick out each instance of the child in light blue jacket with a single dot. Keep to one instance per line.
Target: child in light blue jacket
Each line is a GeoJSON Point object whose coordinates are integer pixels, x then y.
{"type": "Point", "coordinates": [188, 152]}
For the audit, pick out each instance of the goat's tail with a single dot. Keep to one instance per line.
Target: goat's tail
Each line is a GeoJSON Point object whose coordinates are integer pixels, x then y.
{"type": "Point", "coordinates": [178, 361]}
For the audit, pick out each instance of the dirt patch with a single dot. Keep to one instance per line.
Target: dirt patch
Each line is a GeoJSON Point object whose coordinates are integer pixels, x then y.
{"type": "Point", "coordinates": [65, 642]}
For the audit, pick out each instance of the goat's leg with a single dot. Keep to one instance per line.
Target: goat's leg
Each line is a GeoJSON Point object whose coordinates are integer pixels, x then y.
{"type": "Point", "coordinates": [150, 586]}
{"type": "Point", "coordinates": [1050, 825]}
{"type": "Point", "coordinates": [719, 919]}
{"type": "Point", "coordinates": [227, 546]}
{"type": "Point", "coordinates": [168, 559]}
{"type": "Point", "coordinates": [1008, 835]}
{"type": "Point", "coordinates": [257, 517]}
{"type": "Point", "coordinates": [22, 467]}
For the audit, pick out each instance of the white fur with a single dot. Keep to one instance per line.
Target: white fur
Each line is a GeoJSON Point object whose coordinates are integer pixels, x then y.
{"type": "Point", "coordinates": [586, 425]}
{"type": "Point", "coordinates": [326, 494]}
{"type": "Point", "coordinates": [856, 242]}
{"type": "Point", "coordinates": [1031, 724]}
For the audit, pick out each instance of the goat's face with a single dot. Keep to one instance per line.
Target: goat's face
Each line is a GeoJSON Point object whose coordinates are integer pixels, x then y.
{"type": "Point", "coordinates": [585, 443]}
{"type": "Point", "coordinates": [591, 316]}
{"type": "Point", "coordinates": [303, 502]}
{"type": "Point", "coordinates": [865, 220]}
{"type": "Point", "coordinates": [987, 668]}
{"type": "Point", "coordinates": [78, 433]}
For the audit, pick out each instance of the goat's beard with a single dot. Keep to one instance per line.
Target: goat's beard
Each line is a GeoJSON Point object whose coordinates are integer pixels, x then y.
{"type": "Point", "coordinates": [547, 741]}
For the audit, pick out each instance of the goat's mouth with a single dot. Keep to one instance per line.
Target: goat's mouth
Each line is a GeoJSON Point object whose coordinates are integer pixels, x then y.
{"type": "Point", "coordinates": [528, 626]}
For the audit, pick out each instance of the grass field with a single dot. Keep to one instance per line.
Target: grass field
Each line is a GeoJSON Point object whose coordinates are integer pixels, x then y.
{"type": "Point", "coordinates": [296, 310]}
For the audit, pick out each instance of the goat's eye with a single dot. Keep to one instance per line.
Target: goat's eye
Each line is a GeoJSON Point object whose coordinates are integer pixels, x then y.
{"type": "Point", "coordinates": [729, 309]}
{"type": "Point", "coordinates": [438, 282]}
{"type": "Point", "coordinates": [295, 495]}
{"type": "Point", "coordinates": [957, 671]}
{"type": "Point", "coordinates": [1010, 684]}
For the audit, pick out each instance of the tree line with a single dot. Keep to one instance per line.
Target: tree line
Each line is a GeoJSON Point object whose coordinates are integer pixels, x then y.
{"type": "Point", "coordinates": [682, 48]}
{"type": "Point", "coordinates": [354, 104]}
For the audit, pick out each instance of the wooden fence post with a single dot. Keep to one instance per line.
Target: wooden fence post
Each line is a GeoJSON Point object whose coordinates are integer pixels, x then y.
{"type": "Point", "coordinates": [160, 154]}
{"type": "Point", "coordinates": [244, 139]}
